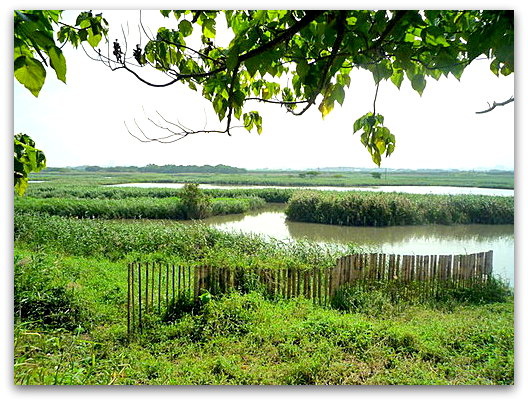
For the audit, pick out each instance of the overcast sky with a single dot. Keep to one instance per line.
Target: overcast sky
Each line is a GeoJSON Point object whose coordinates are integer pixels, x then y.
{"type": "Point", "coordinates": [83, 122]}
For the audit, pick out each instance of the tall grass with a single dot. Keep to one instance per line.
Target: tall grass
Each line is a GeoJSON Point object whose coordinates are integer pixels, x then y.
{"type": "Point", "coordinates": [188, 243]}
{"type": "Point", "coordinates": [132, 207]}
{"type": "Point", "coordinates": [382, 209]}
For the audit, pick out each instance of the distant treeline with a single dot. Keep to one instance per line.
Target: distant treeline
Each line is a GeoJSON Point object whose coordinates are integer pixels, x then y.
{"type": "Point", "coordinates": [153, 168]}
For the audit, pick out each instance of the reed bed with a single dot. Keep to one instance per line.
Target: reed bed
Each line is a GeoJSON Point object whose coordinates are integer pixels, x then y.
{"type": "Point", "coordinates": [132, 207]}
{"type": "Point", "coordinates": [163, 240]}
{"type": "Point", "coordinates": [384, 209]}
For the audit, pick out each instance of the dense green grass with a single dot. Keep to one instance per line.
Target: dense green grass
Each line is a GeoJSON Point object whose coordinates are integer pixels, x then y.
{"type": "Point", "coordinates": [497, 179]}
{"type": "Point", "coordinates": [243, 339]}
{"type": "Point", "coordinates": [131, 207]}
{"type": "Point", "coordinates": [382, 209]}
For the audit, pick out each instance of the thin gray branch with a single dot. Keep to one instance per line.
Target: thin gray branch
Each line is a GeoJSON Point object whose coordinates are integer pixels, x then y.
{"type": "Point", "coordinates": [495, 104]}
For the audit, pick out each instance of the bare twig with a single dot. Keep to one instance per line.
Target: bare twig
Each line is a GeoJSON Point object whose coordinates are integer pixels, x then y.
{"type": "Point", "coordinates": [375, 98]}
{"type": "Point", "coordinates": [495, 104]}
{"type": "Point", "coordinates": [174, 135]}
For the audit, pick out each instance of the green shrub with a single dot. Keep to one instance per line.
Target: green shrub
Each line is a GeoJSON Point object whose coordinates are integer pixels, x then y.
{"type": "Point", "coordinates": [194, 202]}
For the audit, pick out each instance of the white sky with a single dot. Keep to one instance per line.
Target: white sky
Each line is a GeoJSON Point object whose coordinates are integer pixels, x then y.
{"type": "Point", "coordinates": [81, 122]}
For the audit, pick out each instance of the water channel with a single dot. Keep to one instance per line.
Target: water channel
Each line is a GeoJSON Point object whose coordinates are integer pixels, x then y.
{"type": "Point", "coordinates": [415, 239]}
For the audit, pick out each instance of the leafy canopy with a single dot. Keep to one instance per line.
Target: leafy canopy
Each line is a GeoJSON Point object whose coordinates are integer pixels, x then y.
{"type": "Point", "coordinates": [298, 59]}
{"type": "Point", "coordinates": [293, 58]}
{"type": "Point", "coordinates": [35, 47]}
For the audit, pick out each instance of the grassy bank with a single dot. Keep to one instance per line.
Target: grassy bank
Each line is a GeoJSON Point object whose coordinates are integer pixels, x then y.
{"type": "Point", "coordinates": [382, 209]}
{"type": "Point", "coordinates": [78, 336]}
{"type": "Point", "coordinates": [114, 207]}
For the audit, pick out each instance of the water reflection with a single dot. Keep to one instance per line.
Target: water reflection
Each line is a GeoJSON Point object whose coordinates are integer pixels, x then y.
{"type": "Point", "coordinates": [414, 239]}
{"type": "Point", "coordinates": [393, 235]}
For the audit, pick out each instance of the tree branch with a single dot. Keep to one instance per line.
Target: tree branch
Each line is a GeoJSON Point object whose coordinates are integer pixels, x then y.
{"type": "Point", "coordinates": [230, 96]}
{"type": "Point", "coordinates": [335, 49]}
{"type": "Point", "coordinates": [174, 135]}
{"type": "Point", "coordinates": [285, 36]}
{"type": "Point", "coordinates": [275, 101]}
{"type": "Point", "coordinates": [495, 104]}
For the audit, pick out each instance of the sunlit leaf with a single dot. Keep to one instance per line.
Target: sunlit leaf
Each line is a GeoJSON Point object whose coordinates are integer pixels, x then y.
{"type": "Point", "coordinates": [58, 62]}
{"type": "Point", "coordinates": [397, 78]}
{"type": "Point", "coordinates": [30, 73]}
{"type": "Point", "coordinates": [208, 28]}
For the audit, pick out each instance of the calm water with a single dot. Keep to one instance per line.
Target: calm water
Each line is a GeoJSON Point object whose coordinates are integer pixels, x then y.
{"type": "Point", "coordinates": [403, 189]}
{"type": "Point", "coordinates": [416, 239]}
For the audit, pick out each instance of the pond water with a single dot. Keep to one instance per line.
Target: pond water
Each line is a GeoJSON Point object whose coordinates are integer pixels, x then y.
{"type": "Point", "coordinates": [416, 239]}
{"type": "Point", "coordinates": [403, 189]}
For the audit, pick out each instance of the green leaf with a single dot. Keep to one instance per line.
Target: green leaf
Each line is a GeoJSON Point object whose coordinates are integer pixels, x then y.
{"type": "Point", "coordinates": [44, 40]}
{"type": "Point", "coordinates": [208, 28]}
{"type": "Point", "coordinates": [338, 93]}
{"type": "Point", "coordinates": [397, 78]}
{"type": "Point", "coordinates": [302, 69]}
{"type": "Point", "coordinates": [93, 39]}
{"type": "Point", "coordinates": [185, 27]}
{"type": "Point", "coordinates": [248, 121]}
{"type": "Point", "coordinates": [21, 185]}
{"type": "Point", "coordinates": [326, 106]}
{"type": "Point", "coordinates": [506, 70]}
{"type": "Point", "coordinates": [494, 67]}
{"type": "Point", "coordinates": [30, 73]}
{"type": "Point", "coordinates": [83, 34]}
{"type": "Point", "coordinates": [258, 122]}
{"type": "Point", "coordinates": [382, 70]}
{"type": "Point", "coordinates": [238, 98]}
{"type": "Point", "coordinates": [343, 79]}
{"type": "Point", "coordinates": [58, 62]}
{"type": "Point", "coordinates": [357, 125]}
{"type": "Point", "coordinates": [252, 65]}
{"type": "Point", "coordinates": [232, 59]}
{"type": "Point", "coordinates": [418, 83]}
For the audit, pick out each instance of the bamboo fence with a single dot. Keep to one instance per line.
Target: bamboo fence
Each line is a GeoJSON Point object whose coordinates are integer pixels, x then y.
{"type": "Point", "coordinates": [153, 287]}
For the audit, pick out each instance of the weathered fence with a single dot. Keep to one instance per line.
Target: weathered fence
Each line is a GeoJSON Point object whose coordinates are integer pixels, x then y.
{"type": "Point", "coordinates": [459, 270]}
{"type": "Point", "coordinates": [153, 287]}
